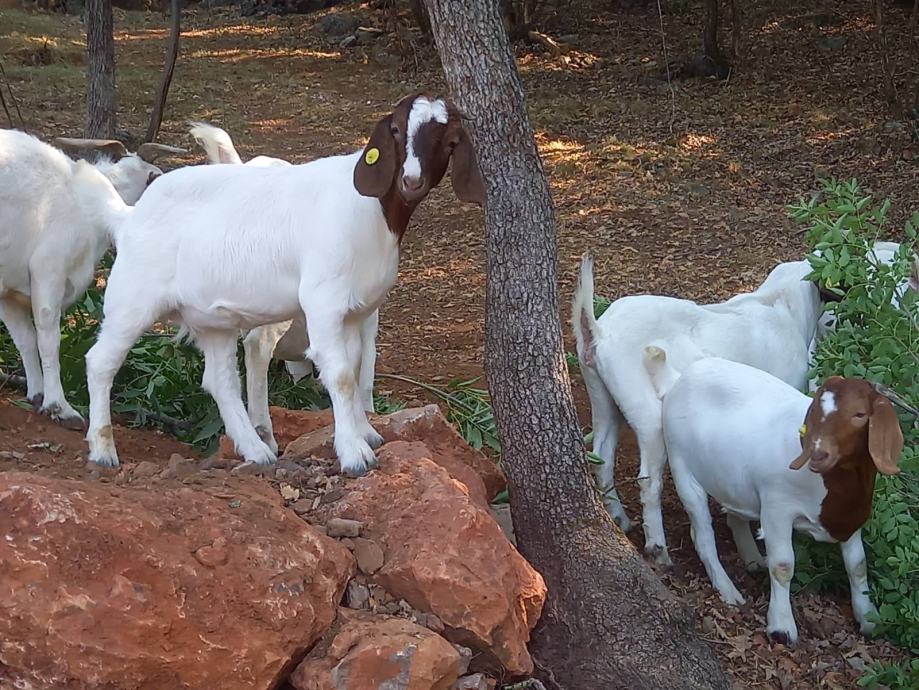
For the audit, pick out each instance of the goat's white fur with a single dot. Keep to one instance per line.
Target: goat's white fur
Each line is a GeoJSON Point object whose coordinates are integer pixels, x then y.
{"type": "Point", "coordinates": [770, 329]}
{"type": "Point", "coordinates": [56, 219]}
{"type": "Point", "coordinates": [286, 340]}
{"type": "Point", "coordinates": [230, 247]}
{"type": "Point", "coordinates": [731, 431]}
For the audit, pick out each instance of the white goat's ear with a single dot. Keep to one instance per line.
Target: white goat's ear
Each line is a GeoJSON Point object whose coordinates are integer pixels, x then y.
{"type": "Point", "coordinates": [150, 151]}
{"type": "Point", "coordinates": [112, 147]}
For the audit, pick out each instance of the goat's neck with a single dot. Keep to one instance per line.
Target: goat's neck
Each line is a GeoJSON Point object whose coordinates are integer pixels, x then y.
{"type": "Point", "coordinates": [849, 490]}
{"type": "Point", "coordinates": [396, 211]}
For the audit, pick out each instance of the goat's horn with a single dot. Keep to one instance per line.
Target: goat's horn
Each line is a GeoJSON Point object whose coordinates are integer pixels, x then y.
{"type": "Point", "coordinates": [150, 151]}
{"type": "Point", "coordinates": [881, 389]}
{"type": "Point", "coordinates": [111, 146]}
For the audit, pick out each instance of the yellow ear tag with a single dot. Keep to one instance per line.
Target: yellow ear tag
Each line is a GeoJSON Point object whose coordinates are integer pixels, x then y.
{"type": "Point", "coordinates": [803, 430]}
{"type": "Point", "coordinates": [372, 156]}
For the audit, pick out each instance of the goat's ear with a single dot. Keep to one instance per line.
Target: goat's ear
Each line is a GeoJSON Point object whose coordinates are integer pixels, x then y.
{"type": "Point", "coordinates": [826, 294]}
{"type": "Point", "coordinates": [112, 147]}
{"type": "Point", "coordinates": [885, 440]}
{"type": "Point", "coordinates": [467, 179]}
{"type": "Point", "coordinates": [805, 456]}
{"type": "Point", "coordinates": [374, 172]}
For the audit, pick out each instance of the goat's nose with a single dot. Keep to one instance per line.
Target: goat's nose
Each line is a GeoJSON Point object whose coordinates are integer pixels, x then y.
{"type": "Point", "coordinates": [819, 456]}
{"type": "Point", "coordinates": [411, 184]}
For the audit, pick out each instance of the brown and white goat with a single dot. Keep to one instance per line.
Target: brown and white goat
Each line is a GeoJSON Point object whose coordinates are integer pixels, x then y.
{"type": "Point", "coordinates": [731, 432]}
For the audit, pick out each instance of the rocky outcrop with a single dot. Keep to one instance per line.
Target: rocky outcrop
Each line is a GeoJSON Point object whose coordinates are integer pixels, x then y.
{"type": "Point", "coordinates": [110, 587]}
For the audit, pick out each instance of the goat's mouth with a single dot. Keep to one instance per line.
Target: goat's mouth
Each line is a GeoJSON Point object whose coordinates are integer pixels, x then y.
{"type": "Point", "coordinates": [413, 195]}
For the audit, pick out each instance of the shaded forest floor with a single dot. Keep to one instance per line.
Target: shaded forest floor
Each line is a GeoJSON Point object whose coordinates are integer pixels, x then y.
{"type": "Point", "coordinates": [677, 188]}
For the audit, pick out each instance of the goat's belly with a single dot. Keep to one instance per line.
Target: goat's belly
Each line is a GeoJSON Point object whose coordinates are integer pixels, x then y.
{"type": "Point", "coordinates": [812, 528]}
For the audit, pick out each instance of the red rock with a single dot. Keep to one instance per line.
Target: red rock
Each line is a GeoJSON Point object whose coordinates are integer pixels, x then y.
{"type": "Point", "coordinates": [287, 426]}
{"type": "Point", "coordinates": [446, 555]}
{"type": "Point", "coordinates": [106, 587]}
{"type": "Point", "coordinates": [446, 448]}
{"type": "Point", "coordinates": [370, 651]}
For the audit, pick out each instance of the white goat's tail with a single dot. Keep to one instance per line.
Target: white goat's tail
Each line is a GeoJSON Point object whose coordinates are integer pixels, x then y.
{"type": "Point", "coordinates": [99, 201]}
{"type": "Point", "coordinates": [583, 320]}
{"type": "Point", "coordinates": [663, 376]}
{"type": "Point", "coordinates": [216, 143]}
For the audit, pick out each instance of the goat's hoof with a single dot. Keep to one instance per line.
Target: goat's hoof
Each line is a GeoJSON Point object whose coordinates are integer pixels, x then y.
{"type": "Point", "coordinates": [67, 418]}
{"type": "Point", "coordinates": [260, 456]}
{"type": "Point", "coordinates": [658, 554]}
{"type": "Point", "coordinates": [37, 401]}
{"type": "Point", "coordinates": [732, 598]}
{"type": "Point", "coordinates": [373, 438]}
{"type": "Point", "coordinates": [104, 459]}
{"type": "Point", "coordinates": [783, 637]}
{"type": "Point", "coordinates": [356, 458]}
{"type": "Point", "coordinates": [267, 437]}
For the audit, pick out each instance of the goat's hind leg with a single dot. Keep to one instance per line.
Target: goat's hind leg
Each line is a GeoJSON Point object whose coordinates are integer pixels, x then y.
{"type": "Point", "coordinates": [18, 322]}
{"type": "Point", "coordinates": [746, 544]}
{"type": "Point", "coordinates": [221, 380]}
{"type": "Point", "coordinates": [259, 346]}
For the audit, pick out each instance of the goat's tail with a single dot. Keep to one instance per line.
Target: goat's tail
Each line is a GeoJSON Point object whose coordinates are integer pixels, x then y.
{"type": "Point", "coordinates": [216, 143]}
{"type": "Point", "coordinates": [663, 376]}
{"type": "Point", "coordinates": [583, 320]}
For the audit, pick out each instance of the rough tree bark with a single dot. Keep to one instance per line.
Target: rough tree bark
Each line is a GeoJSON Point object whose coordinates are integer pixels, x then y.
{"type": "Point", "coordinates": [172, 52]}
{"type": "Point", "coordinates": [716, 64]}
{"type": "Point", "coordinates": [100, 70]}
{"type": "Point", "coordinates": [609, 623]}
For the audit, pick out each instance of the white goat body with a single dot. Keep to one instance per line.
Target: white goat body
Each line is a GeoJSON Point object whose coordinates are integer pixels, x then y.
{"type": "Point", "coordinates": [731, 431]}
{"type": "Point", "coordinates": [770, 329]}
{"type": "Point", "coordinates": [56, 216]}
{"type": "Point", "coordinates": [287, 340]}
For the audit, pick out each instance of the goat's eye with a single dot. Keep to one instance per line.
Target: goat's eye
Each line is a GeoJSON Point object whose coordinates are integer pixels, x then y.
{"type": "Point", "coordinates": [394, 129]}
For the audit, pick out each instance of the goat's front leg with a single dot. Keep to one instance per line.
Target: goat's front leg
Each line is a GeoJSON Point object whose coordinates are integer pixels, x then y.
{"type": "Point", "coordinates": [221, 380]}
{"type": "Point", "coordinates": [853, 555]}
{"type": "Point", "coordinates": [19, 324]}
{"type": "Point", "coordinates": [47, 296]}
{"type": "Point", "coordinates": [780, 557]}
{"type": "Point", "coordinates": [369, 327]}
{"type": "Point", "coordinates": [258, 346]}
{"type": "Point", "coordinates": [335, 346]}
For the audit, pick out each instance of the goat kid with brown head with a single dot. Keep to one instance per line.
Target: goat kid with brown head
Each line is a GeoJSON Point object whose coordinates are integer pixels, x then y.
{"type": "Point", "coordinates": [731, 431]}
{"type": "Point", "coordinates": [224, 248]}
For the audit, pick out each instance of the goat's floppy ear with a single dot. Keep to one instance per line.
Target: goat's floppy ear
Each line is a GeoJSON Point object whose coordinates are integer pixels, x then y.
{"type": "Point", "coordinates": [112, 147]}
{"type": "Point", "coordinates": [374, 172]}
{"type": "Point", "coordinates": [885, 440]}
{"type": "Point", "coordinates": [150, 151]}
{"type": "Point", "coordinates": [467, 179]}
{"type": "Point", "coordinates": [805, 456]}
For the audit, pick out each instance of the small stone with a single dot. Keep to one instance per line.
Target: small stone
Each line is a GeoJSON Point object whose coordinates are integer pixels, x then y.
{"type": "Point", "coordinates": [337, 25]}
{"type": "Point", "coordinates": [213, 555]}
{"type": "Point", "coordinates": [332, 496]}
{"type": "Point", "coordinates": [465, 657]}
{"type": "Point", "coordinates": [348, 543]}
{"type": "Point", "coordinates": [11, 455]}
{"type": "Point", "coordinates": [341, 527]}
{"type": "Point", "coordinates": [252, 468]}
{"type": "Point", "coordinates": [477, 681]}
{"type": "Point", "coordinates": [301, 507]}
{"type": "Point", "coordinates": [369, 556]}
{"type": "Point", "coordinates": [434, 623]}
{"type": "Point", "coordinates": [146, 469]}
{"type": "Point", "coordinates": [357, 595]}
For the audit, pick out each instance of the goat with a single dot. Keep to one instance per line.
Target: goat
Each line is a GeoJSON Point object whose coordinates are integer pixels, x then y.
{"type": "Point", "coordinates": [56, 216]}
{"type": "Point", "coordinates": [731, 431]}
{"type": "Point", "coordinates": [222, 248]}
{"type": "Point", "coordinates": [771, 328]}
{"type": "Point", "coordinates": [286, 340]}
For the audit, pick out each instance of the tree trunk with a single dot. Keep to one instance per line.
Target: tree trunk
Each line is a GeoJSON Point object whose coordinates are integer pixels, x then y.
{"type": "Point", "coordinates": [716, 65]}
{"type": "Point", "coordinates": [890, 83]}
{"type": "Point", "coordinates": [609, 623]}
{"type": "Point", "coordinates": [172, 52]}
{"type": "Point", "coordinates": [100, 70]}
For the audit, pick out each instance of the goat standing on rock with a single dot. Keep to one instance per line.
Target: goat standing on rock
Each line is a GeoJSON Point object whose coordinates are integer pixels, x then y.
{"type": "Point", "coordinates": [223, 248]}
{"type": "Point", "coordinates": [731, 432]}
{"type": "Point", "coordinates": [57, 217]}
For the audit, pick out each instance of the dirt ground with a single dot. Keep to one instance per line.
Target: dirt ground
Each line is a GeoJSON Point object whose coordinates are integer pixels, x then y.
{"type": "Point", "coordinates": [677, 188]}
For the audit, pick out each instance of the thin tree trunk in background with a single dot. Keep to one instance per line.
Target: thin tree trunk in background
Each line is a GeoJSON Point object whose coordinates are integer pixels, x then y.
{"type": "Point", "coordinates": [172, 52]}
{"type": "Point", "coordinates": [609, 623]}
{"type": "Point", "coordinates": [890, 85]}
{"type": "Point", "coordinates": [710, 48]}
{"type": "Point", "coordinates": [735, 30]}
{"type": "Point", "coordinates": [100, 70]}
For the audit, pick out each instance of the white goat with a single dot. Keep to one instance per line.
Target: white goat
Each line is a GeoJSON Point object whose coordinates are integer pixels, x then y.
{"type": "Point", "coordinates": [230, 247]}
{"type": "Point", "coordinates": [771, 329]}
{"type": "Point", "coordinates": [734, 432]}
{"type": "Point", "coordinates": [56, 215]}
{"type": "Point", "coordinates": [286, 340]}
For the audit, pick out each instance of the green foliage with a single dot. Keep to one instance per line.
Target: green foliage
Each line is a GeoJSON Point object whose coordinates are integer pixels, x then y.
{"type": "Point", "coordinates": [872, 339]}
{"type": "Point", "coordinates": [160, 382]}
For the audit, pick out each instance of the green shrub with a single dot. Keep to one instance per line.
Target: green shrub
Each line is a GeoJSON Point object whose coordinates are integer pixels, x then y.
{"type": "Point", "coordinates": [874, 340]}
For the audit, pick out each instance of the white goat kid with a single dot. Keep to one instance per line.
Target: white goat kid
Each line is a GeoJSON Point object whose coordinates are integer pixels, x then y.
{"type": "Point", "coordinates": [286, 340]}
{"type": "Point", "coordinates": [770, 329]}
{"type": "Point", "coordinates": [733, 432]}
{"type": "Point", "coordinates": [56, 215]}
{"type": "Point", "coordinates": [230, 247]}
